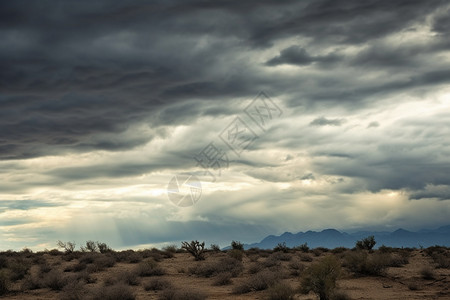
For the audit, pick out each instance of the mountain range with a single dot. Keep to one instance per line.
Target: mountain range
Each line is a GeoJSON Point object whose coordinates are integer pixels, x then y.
{"type": "Point", "coordinates": [332, 238]}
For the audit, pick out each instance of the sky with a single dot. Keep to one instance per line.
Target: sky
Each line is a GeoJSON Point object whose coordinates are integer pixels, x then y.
{"type": "Point", "coordinates": [268, 116]}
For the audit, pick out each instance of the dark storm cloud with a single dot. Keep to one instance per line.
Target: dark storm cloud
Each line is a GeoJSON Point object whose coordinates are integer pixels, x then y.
{"type": "Point", "coordinates": [296, 55]}
{"type": "Point", "coordinates": [74, 69]}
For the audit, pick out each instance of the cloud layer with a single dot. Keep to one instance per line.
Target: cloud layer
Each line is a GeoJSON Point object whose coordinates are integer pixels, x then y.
{"type": "Point", "coordinates": [101, 104]}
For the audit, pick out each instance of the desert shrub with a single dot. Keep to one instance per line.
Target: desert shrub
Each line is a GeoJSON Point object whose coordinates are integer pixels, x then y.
{"type": "Point", "coordinates": [317, 251]}
{"type": "Point", "coordinates": [103, 248]}
{"type": "Point", "coordinates": [154, 253]}
{"type": "Point", "coordinates": [195, 248]}
{"type": "Point", "coordinates": [281, 256]}
{"type": "Point", "coordinates": [296, 268]}
{"type": "Point", "coordinates": [258, 282]}
{"type": "Point", "coordinates": [91, 246]}
{"type": "Point", "coordinates": [85, 277]}
{"type": "Point", "coordinates": [305, 257]}
{"type": "Point", "coordinates": [115, 292]}
{"type": "Point", "coordinates": [436, 249]}
{"type": "Point", "coordinates": [223, 279]}
{"type": "Point", "coordinates": [441, 260]}
{"type": "Point", "coordinates": [104, 262]}
{"type": "Point", "coordinates": [4, 282]}
{"type": "Point", "coordinates": [71, 256]}
{"type": "Point", "coordinates": [88, 258]}
{"type": "Point", "coordinates": [55, 280]}
{"type": "Point", "coordinates": [281, 247]}
{"type": "Point", "coordinates": [157, 284]}
{"type": "Point", "coordinates": [399, 260]}
{"type": "Point", "coordinates": [303, 247]}
{"type": "Point", "coordinates": [321, 277]}
{"type": "Point", "coordinates": [79, 267]}
{"type": "Point", "coordinates": [149, 267]}
{"type": "Point", "coordinates": [338, 250]}
{"type": "Point", "coordinates": [214, 248]}
{"type": "Point", "coordinates": [255, 268]}
{"type": "Point", "coordinates": [171, 248]}
{"type": "Point", "coordinates": [236, 254]}
{"type": "Point", "coordinates": [19, 268]}
{"type": "Point", "coordinates": [3, 262]}
{"type": "Point", "coordinates": [385, 249]}
{"type": "Point", "coordinates": [134, 258]}
{"type": "Point", "coordinates": [226, 264]}
{"type": "Point", "coordinates": [271, 262]}
{"type": "Point", "coordinates": [128, 277]}
{"type": "Point", "coordinates": [181, 294]}
{"type": "Point", "coordinates": [427, 273]}
{"type": "Point", "coordinates": [74, 290]}
{"type": "Point", "coordinates": [360, 262]}
{"type": "Point", "coordinates": [236, 245]}
{"type": "Point", "coordinates": [280, 291]}
{"type": "Point", "coordinates": [366, 244]}
{"type": "Point", "coordinates": [31, 282]}
{"type": "Point", "coordinates": [54, 252]}
{"type": "Point", "coordinates": [44, 266]}
{"type": "Point", "coordinates": [68, 247]}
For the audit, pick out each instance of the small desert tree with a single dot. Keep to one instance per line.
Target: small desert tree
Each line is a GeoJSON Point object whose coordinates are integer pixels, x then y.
{"type": "Point", "coordinates": [68, 247]}
{"type": "Point", "coordinates": [90, 247]}
{"type": "Point", "coordinates": [321, 277]}
{"type": "Point", "coordinates": [235, 245]}
{"type": "Point", "coordinates": [366, 243]}
{"type": "Point", "coordinates": [195, 248]}
{"type": "Point", "coordinates": [103, 247]}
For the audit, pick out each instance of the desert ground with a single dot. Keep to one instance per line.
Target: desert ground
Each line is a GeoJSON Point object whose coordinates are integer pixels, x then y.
{"type": "Point", "coordinates": [172, 273]}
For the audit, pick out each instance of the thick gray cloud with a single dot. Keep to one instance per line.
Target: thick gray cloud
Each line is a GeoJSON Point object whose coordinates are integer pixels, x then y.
{"type": "Point", "coordinates": [97, 98]}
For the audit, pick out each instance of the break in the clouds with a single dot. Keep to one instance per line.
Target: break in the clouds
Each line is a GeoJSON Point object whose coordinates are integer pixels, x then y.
{"type": "Point", "coordinates": [101, 104]}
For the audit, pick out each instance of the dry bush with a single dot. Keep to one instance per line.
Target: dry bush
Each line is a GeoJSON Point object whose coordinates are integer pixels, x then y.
{"type": "Point", "coordinates": [86, 277]}
{"type": "Point", "coordinates": [362, 263]}
{"type": "Point", "coordinates": [68, 247]}
{"type": "Point", "coordinates": [338, 250]}
{"type": "Point", "coordinates": [226, 264]}
{"type": "Point", "coordinates": [321, 277]}
{"type": "Point", "coordinates": [413, 286]}
{"type": "Point", "coordinates": [181, 294]}
{"type": "Point", "coordinates": [317, 251]}
{"type": "Point", "coordinates": [281, 247]}
{"type": "Point", "coordinates": [116, 292]}
{"type": "Point", "coordinates": [258, 282]}
{"type": "Point", "coordinates": [3, 262]}
{"type": "Point", "coordinates": [214, 248]}
{"type": "Point", "coordinates": [157, 284]}
{"type": "Point", "coordinates": [280, 291]}
{"type": "Point", "coordinates": [303, 248]}
{"type": "Point", "coordinates": [399, 260]}
{"type": "Point", "coordinates": [281, 256]}
{"type": "Point", "coordinates": [18, 268]}
{"type": "Point", "coordinates": [236, 254]}
{"type": "Point", "coordinates": [296, 268]}
{"type": "Point", "coordinates": [128, 277]}
{"type": "Point", "coordinates": [74, 290]}
{"type": "Point", "coordinates": [236, 245]}
{"type": "Point", "coordinates": [55, 280]}
{"type": "Point", "coordinates": [441, 260]}
{"type": "Point", "coordinates": [427, 273]}
{"type": "Point", "coordinates": [4, 282]}
{"type": "Point", "coordinates": [149, 267]}
{"type": "Point", "coordinates": [171, 248]}
{"type": "Point", "coordinates": [223, 279]}
{"type": "Point", "coordinates": [255, 268]}
{"type": "Point", "coordinates": [366, 244]}
{"type": "Point", "coordinates": [305, 257]}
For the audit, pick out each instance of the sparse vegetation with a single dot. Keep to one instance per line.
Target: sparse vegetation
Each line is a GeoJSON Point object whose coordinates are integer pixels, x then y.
{"type": "Point", "coordinates": [236, 245]}
{"type": "Point", "coordinates": [366, 244]}
{"type": "Point", "coordinates": [281, 247]}
{"type": "Point", "coordinates": [157, 284]}
{"type": "Point", "coordinates": [280, 291]}
{"type": "Point", "coordinates": [181, 294]}
{"type": "Point", "coordinates": [68, 247]}
{"type": "Point", "coordinates": [321, 277]}
{"type": "Point", "coordinates": [195, 248]}
{"type": "Point", "coordinates": [149, 267]}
